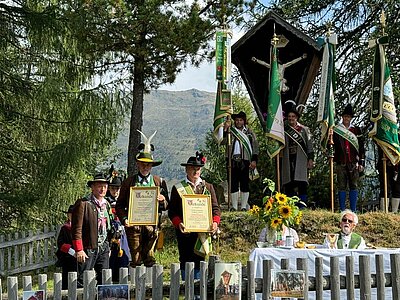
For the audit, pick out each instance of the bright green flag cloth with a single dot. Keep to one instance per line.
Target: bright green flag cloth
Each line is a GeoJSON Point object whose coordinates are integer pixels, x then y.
{"type": "Point", "coordinates": [326, 105]}
{"type": "Point", "coordinates": [275, 132]}
{"type": "Point", "coordinates": [221, 111]}
{"type": "Point", "coordinates": [383, 110]}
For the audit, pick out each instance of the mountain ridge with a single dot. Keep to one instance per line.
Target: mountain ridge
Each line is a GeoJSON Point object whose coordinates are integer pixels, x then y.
{"type": "Point", "coordinates": [182, 120]}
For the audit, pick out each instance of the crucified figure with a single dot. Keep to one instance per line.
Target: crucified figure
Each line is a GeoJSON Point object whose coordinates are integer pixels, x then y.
{"type": "Point", "coordinates": [281, 69]}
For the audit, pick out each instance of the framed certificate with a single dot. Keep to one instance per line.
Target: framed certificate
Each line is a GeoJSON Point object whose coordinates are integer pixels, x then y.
{"type": "Point", "coordinates": [143, 205]}
{"type": "Point", "coordinates": [197, 215]}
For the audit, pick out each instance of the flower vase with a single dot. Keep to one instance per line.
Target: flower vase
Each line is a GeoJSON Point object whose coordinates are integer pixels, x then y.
{"type": "Point", "coordinates": [270, 236]}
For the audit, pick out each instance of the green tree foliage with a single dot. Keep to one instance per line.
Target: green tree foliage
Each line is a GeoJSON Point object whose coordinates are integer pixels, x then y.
{"type": "Point", "coordinates": [55, 122]}
{"type": "Point", "coordinates": [145, 43]}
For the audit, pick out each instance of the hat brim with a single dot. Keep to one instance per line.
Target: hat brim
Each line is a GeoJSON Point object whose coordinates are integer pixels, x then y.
{"type": "Point", "coordinates": [148, 160]}
{"type": "Point", "coordinates": [193, 165]}
{"type": "Point", "coordinates": [90, 182]}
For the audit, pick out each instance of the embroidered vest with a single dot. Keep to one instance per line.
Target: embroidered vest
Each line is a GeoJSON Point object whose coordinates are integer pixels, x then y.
{"type": "Point", "coordinates": [355, 241]}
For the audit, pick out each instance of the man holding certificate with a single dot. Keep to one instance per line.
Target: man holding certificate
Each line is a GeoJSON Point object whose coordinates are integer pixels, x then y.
{"type": "Point", "coordinates": [139, 205]}
{"type": "Point", "coordinates": [194, 211]}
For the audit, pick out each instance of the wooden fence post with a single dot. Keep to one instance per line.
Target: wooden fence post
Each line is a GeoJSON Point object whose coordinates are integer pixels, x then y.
{"type": "Point", "coordinates": [335, 278]}
{"type": "Point", "coordinates": [42, 281]}
{"type": "Point", "coordinates": [266, 279]}
{"type": "Point", "coordinates": [203, 280]}
{"type": "Point", "coordinates": [395, 270]}
{"type": "Point", "coordinates": [365, 277]}
{"type": "Point", "coordinates": [72, 285]}
{"type": "Point", "coordinates": [89, 285]}
{"type": "Point", "coordinates": [380, 277]}
{"type": "Point", "coordinates": [251, 274]}
{"type": "Point", "coordinates": [57, 285]}
{"type": "Point", "coordinates": [302, 265]}
{"type": "Point", "coordinates": [350, 277]}
{"type": "Point", "coordinates": [12, 288]}
{"type": "Point", "coordinates": [27, 283]}
{"type": "Point", "coordinates": [175, 281]}
{"type": "Point", "coordinates": [189, 280]}
{"type": "Point", "coordinates": [106, 275]}
{"type": "Point", "coordinates": [123, 275]}
{"type": "Point", "coordinates": [140, 280]}
{"type": "Point", "coordinates": [319, 277]}
{"type": "Point", "coordinates": [157, 282]}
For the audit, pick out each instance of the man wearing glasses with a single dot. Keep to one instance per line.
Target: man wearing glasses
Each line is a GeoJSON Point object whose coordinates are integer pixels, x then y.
{"type": "Point", "coordinates": [347, 238]}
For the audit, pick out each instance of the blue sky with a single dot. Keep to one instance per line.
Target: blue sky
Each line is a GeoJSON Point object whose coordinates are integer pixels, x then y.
{"type": "Point", "coordinates": [201, 78]}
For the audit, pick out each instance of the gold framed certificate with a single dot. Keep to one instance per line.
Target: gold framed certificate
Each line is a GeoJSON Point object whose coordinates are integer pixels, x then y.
{"type": "Point", "coordinates": [197, 216]}
{"type": "Point", "coordinates": [143, 205]}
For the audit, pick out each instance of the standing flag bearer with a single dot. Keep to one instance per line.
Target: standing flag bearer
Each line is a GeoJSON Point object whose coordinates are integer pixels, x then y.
{"type": "Point", "coordinates": [275, 131]}
{"type": "Point", "coordinates": [383, 109]}
{"type": "Point", "coordinates": [326, 107]}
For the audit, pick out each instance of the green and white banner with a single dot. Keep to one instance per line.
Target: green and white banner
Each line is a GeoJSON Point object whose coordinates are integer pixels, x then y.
{"type": "Point", "coordinates": [326, 106]}
{"type": "Point", "coordinates": [223, 55]}
{"type": "Point", "coordinates": [383, 109]}
{"type": "Point", "coordinates": [222, 110]}
{"type": "Point", "coordinates": [275, 132]}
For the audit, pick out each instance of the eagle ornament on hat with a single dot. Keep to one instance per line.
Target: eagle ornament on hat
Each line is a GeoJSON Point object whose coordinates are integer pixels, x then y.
{"type": "Point", "coordinates": [145, 149]}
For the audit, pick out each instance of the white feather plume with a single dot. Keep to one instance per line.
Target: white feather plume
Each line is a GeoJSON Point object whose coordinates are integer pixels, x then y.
{"type": "Point", "coordinates": [147, 141]}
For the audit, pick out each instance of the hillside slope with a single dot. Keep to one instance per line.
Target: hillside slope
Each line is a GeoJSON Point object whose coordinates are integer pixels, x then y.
{"type": "Point", "coordinates": [181, 119]}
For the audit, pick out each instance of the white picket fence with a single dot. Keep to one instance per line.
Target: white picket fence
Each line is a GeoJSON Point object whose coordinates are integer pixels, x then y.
{"type": "Point", "coordinates": [35, 250]}
{"type": "Point", "coordinates": [146, 283]}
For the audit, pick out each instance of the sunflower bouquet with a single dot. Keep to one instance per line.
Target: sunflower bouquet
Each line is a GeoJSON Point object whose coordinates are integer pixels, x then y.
{"type": "Point", "coordinates": [277, 209]}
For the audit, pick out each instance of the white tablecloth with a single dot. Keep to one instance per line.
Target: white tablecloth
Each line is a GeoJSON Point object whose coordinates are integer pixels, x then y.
{"type": "Point", "coordinates": [276, 254]}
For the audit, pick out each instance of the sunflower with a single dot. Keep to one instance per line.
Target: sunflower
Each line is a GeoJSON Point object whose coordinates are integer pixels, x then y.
{"type": "Point", "coordinates": [254, 210]}
{"type": "Point", "coordinates": [285, 211]}
{"type": "Point", "coordinates": [268, 206]}
{"type": "Point", "coordinates": [275, 222]}
{"type": "Point", "coordinates": [297, 219]}
{"type": "Point", "coordinates": [281, 198]}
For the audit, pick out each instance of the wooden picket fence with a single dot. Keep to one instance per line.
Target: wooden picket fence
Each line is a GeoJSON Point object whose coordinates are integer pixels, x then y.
{"type": "Point", "coordinates": [28, 251]}
{"type": "Point", "coordinates": [146, 283]}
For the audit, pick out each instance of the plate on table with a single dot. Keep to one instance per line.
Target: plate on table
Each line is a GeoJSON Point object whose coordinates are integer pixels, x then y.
{"type": "Point", "coordinates": [262, 245]}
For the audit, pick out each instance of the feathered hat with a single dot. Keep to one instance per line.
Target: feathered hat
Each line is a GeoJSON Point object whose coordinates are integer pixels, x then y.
{"type": "Point", "coordinates": [145, 150]}
{"type": "Point", "coordinates": [113, 178]}
{"type": "Point", "coordinates": [291, 107]}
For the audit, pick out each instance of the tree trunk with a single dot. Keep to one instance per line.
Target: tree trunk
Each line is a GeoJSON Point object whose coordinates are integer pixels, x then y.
{"type": "Point", "coordinates": [136, 114]}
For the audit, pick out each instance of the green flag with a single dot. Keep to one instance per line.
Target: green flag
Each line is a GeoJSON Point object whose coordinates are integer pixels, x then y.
{"type": "Point", "coordinates": [222, 110]}
{"type": "Point", "coordinates": [383, 110]}
{"type": "Point", "coordinates": [326, 105]}
{"type": "Point", "coordinates": [275, 131]}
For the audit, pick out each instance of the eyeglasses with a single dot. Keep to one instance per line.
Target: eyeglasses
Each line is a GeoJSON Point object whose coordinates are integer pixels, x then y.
{"type": "Point", "coordinates": [344, 220]}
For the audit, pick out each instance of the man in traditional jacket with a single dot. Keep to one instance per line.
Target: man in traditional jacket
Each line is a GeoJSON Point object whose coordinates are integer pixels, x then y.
{"type": "Point", "coordinates": [91, 223]}
{"type": "Point", "coordinates": [347, 238]}
{"type": "Point", "coordinates": [349, 158]}
{"type": "Point", "coordinates": [142, 239]}
{"type": "Point", "coordinates": [192, 246]}
{"type": "Point", "coordinates": [244, 156]}
{"type": "Point", "coordinates": [298, 155]}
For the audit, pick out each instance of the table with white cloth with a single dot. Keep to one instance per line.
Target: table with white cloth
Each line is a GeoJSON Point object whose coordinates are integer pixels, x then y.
{"type": "Point", "coordinates": [277, 254]}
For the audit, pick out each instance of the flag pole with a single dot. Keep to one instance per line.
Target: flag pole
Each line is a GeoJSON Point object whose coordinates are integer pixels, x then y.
{"type": "Point", "coordinates": [278, 173]}
{"type": "Point", "coordinates": [384, 158]}
{"type": "Point", "coordinates": [385, 191]}
{"type": "Point", "coordinates": [229, 145]}
{"type": "Point", "coordinates": [331, 155]}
